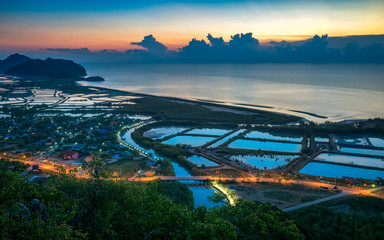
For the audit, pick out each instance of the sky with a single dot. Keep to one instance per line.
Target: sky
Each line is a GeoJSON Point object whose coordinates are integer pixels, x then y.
{"type": "Point", "coordinates": [108, 24]}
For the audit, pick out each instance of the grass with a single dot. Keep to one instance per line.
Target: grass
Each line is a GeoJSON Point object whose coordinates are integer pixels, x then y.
{"type": "Point", "coordinates": [309, 198]}
{"type": "Point", "coordinates": [170, 110]}
{"type": "Point", "coordinates": [125, 167]}
{"type": "Point", "coordinates": [279, 195]}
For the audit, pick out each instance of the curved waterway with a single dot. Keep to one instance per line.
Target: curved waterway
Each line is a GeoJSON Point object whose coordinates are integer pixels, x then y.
{"type": "Point", "coordinates": [200, 193]}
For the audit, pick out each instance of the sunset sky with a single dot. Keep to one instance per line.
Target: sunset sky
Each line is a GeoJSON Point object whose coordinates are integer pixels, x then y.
{"type": "Point", "coordinates": [102, 24]}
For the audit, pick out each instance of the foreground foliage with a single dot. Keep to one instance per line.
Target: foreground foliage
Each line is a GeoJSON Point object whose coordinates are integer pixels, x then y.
{"type": "Point", "coordinates": [351, 218]}
{"type": "Point", "coordinates": [68, 208]}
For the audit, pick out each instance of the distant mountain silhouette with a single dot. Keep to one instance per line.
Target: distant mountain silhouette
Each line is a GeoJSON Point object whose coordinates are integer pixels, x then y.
{"type": "Point", "coordinates": [11, 61]}
{"type": "Point", "coordinates": [47, 68]}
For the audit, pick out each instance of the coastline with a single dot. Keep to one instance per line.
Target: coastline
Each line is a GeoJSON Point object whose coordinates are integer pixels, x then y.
{"type": "Point", "coordinates": [305, 115]}
{"type": "Point", "coordinates": [226, 106]}
{"type": "Point", "coordinates": [234, 106]}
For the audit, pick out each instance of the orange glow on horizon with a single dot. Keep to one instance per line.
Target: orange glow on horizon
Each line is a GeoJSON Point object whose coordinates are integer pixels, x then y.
{"type": "Point", "coordinates": [123, 45]}
{"type": "Point", "coordinates": [176, 25]}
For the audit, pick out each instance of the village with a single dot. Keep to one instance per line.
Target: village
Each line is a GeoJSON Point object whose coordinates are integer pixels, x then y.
{"type": "Point", "coordinates": [59, 131]}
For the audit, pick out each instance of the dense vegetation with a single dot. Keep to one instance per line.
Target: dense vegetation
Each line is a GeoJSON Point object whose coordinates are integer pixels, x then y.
{"type": "Point", "coordinates": [67, 208]}
{"type": "Point", "coordinates": [352, 218]}
{"type": "Point", "coordinates": [173, 110]}
{"type": "Point", "coordinates": [177, 192]}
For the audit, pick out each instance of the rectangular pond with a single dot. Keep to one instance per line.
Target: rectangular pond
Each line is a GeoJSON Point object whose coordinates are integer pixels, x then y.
{"type": "Point", "coordinates": [268, 146]}
{"type": "Point", "coordinates": [332, 170]}
{"type": "Point", "coordinates": [194, 141]}
{"type": "Point", "coordinates": [218, 143]}
{"type": "Point", "coordinates": [209, 131]}
{"type": "Point", "coordinates": [199, 160]}
{"type": "Point", "coordinates": [352, 140]}
{"type": "Point", "coordinates": [354, 160]}
{"type": "Point", "coordinates": [363, 151]}
{"type": "Point", "coordinates": [275, 136]}
{"type": "Point", "coordinates": [161, 132]}
{"type": "Point", "coordinates": [377, 142]}
{"type": "Point", "coordinates": [265, 161]}
{"type": "Point", "coordinates": [321, 139]}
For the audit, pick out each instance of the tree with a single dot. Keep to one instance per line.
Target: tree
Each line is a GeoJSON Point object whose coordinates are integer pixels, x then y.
{"type": "Point", "coordinates": [96, 168]}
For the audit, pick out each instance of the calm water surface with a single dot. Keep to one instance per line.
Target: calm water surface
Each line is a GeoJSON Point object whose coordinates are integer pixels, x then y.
{"type": "Point", "coordinates": [332, 170]}
{"type": "Point", "coordinates": [199, 160]}
{"type": "Point", "coordinates": [282, 137]}
{"type": "Point", "coordinates": [363, 151]}
{"type": "Point", "coordinates": [267, 162]}
{"type": "Point", "coordinates": [348, 159]}
{"type": "Point", "coordinates": [269, 146]}
{"type": "Point", "coordinates": [194, 141]}
{"type": "Point", "coordinates": [201, 194]}
{"type": "Point", "coordinates": [208, 131]}
{"type": "Point", "coordinates": [377, 142]}
{"type": "Point", "coordinates": [338, 91]}
{"type": "Point", "coordinates": [161, 132]}
{"type": "Point", "coordinates": [223, 140]}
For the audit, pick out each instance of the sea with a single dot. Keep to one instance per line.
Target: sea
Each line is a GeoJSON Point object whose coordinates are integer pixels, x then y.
{"type": "Point", "coordinates": [334, 92]}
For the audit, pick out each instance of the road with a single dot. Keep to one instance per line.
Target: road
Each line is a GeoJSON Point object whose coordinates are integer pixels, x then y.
{"type": "Point", "coordinates": [46, 166]}
{"type": "Point", "coordinates": [345, 192]}
{"type": "Point", "coordinates": [342, 194]}
{"type": "Point", "coordinates": [121, 142]}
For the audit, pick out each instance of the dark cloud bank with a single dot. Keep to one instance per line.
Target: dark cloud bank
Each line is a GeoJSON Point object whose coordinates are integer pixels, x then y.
{"type": "Point", "coordinates": [244, 48]}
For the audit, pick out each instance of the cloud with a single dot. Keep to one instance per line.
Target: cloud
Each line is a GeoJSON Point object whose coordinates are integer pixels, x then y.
{"type": "Point", "coordinates": [70, 50]}
{"type": "Point", "coordinates": [244, 41]}
{"type": "Point", "coordinates": [244, 48]}
{"type": "Point", "coordinates": [216, 41]}
{"type": "Point", "coordinates": [152, 45]}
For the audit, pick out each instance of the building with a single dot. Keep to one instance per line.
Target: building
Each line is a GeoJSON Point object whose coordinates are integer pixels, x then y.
{"type": "Point", "coordinates": [89, 158]}
{"type": "Point", "coordinates": [70, 155]}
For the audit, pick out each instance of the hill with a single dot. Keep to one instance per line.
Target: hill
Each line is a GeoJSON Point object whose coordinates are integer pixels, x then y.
{"type": "Point", "coordinates": [12, 60]}
{"type": "Point", "coordinates": [47, 68]}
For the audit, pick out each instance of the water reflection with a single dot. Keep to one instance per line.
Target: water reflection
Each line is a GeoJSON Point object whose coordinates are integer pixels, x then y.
{"type": "Point", "coordinates": [268, 146]}
{"type": "Point", "coordinates": [332, 90]}
{"type": "Point", "coordinates": [332, 170]}
{"type": "Point", "coordinates": [201, 194]}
